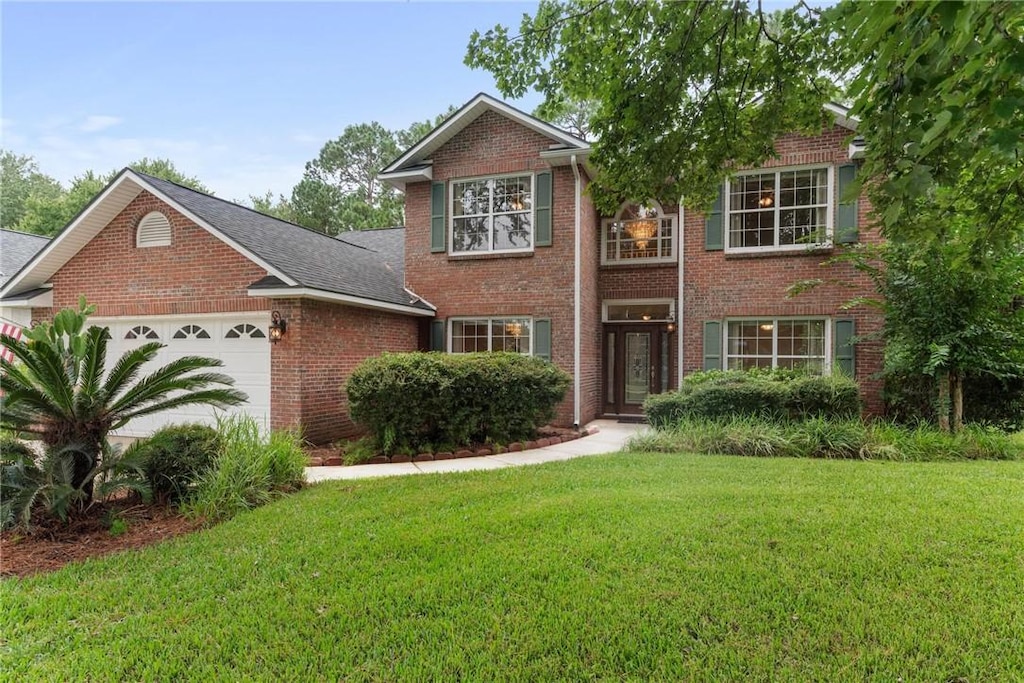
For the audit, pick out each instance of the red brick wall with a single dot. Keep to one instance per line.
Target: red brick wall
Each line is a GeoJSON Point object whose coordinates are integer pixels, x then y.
{"type": "Point", "coordinates": [720, 285]}
{"type": "Point", "coordinates": [197, 273]}
{"type": "Point", "coordinates": [537, 284]}
{"type": "Point", "coordinates": [310, 365]}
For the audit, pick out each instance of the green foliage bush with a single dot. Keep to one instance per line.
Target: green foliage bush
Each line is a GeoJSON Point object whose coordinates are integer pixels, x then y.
{"type": "Point", "coordinates": [832, 439]}
{"type": "Point", "coordinates": [175, 456]}
{"type": "Point", "coordinates": [409, 400]}
{"type": "Point", "coordinates": [250, 469]}
{"type": "Point", "coordinates": [48, 485]}
{"type": "Point", "coordinates": [770, 394]}
{"type": "Point", "coordinates": [912, 398]}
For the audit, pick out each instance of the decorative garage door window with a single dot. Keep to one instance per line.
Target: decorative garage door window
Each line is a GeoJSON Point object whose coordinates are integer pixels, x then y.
{"type": "Point", "coordinates": [142, 332]}
{"type": "Point", "coordinates": [245, 331]}
{"type": "Point", "coordinates": [191, 332]}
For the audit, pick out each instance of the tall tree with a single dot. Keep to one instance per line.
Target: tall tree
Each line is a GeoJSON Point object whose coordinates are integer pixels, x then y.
{"type": "Point", "coordinates": [265, 203]}
{"type": "Point", "coordinates": [684, 91]}
{"type": "Point", "coordinates": [21, 182]}
{"type": "Point", "coordinates": [340, 190]}
{"type": "Point", "coordinates": [420, 129]}
{"type": "Point", "coordinates": [939, 91]}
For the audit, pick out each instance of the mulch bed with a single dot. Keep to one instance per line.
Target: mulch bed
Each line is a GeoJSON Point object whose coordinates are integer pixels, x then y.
{"type": "Point", "coordinates": [546, 436]}
{"type": "Point", "coordinates": [49, 548]}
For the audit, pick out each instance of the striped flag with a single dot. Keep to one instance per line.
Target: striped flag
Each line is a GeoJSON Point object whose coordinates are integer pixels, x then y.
{"type": "Point", "coordinates": [11, 330]}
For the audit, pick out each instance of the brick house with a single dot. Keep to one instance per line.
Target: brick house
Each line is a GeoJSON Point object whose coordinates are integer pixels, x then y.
{"type": "Point", "coordinates": [502, 250]}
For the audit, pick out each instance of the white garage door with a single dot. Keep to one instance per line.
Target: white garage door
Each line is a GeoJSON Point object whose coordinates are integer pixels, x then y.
{"type": "Point", "coordinates": [240, 341]}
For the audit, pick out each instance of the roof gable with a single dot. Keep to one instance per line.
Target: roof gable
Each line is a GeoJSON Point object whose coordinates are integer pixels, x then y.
{"type": "Point", "coordinates": [414, 163]}
{"type": "Point", "coordinates": [296, 256]}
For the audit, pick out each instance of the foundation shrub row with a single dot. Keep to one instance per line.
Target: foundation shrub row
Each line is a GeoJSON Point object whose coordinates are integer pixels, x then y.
{"type": "Point", "coordinates": [411, 402]}
{"type": "Point", "coordinates": [777, 395]}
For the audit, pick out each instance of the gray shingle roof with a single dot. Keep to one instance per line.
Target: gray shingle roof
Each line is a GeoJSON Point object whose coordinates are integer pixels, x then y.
{"type": "Point", "coordinates": [311, 258]}
{"type": "Point", "coordinates": [17, 249]}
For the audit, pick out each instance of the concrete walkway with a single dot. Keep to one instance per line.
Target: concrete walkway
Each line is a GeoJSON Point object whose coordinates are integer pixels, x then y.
{"type": "Point", "coordinates": [610, 438]}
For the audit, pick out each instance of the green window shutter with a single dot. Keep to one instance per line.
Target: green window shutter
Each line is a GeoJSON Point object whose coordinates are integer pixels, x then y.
{"type": "Point", "coordinates": [714, 237]}
{"type": "Point", "coordinates": [845, 361]}
{"type": "Point", "coordinates": [846, 220]}
{"type": "Point", "coordinates": [437, 335]}
{"type": "Point", "coordinates": [438, 228]}
{"type": "Point", "coordinates": [712, 345]}
{"type": "Point", "coordinates": [542, 209]}
{"type": "Point", "coordinates": [542, 338]}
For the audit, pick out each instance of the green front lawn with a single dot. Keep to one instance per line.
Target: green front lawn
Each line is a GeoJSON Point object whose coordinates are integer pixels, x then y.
{"type": "Point", "coordinates": [628, 567]}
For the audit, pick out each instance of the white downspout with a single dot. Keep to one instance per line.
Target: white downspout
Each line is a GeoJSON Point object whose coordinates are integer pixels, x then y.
{"type": "Point", "coordinates": [679, 301]}
{"type": "Point", "coordinates": [577, 312]}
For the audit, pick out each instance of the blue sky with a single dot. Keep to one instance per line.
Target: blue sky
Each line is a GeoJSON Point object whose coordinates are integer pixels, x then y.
{"type": "Point", "coordinates": [240, 95]}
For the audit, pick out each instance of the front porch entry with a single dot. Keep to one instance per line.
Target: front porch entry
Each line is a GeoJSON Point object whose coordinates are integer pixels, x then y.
{"type": "Point", "coordinates": [637, 353]}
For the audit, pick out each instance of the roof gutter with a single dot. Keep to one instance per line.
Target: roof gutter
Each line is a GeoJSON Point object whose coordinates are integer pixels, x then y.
{"type": "Point", "coordinates": [577, 304]}
{"type": "Point", "coordinates": [334, 297]}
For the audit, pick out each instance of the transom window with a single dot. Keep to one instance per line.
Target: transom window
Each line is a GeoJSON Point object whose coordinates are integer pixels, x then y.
{"type": "Point", "coordinates": [245, 331]}
{"type": "Point", "coordinates": [777, 343]}
{"type": "Point", "coordinates": [492, 214]}
{"type": "Point", "coordinates": [191, 332]}
{"type": "Point", "coordinates": [788, 209]}
{"type": "Point", "coordinates": [491, 334]}
{"type": "Point", "coordinates": [142, 332]}
{"type": "Point", "coordinates": [640, 232]}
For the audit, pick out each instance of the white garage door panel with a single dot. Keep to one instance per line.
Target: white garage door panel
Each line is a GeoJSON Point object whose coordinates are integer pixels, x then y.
{"type": "Point", "coordinates": [245, 358]}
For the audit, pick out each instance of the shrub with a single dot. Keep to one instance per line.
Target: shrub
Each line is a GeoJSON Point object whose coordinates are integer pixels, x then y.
{"type": "Point", "coordinates": [408, 400]}
{"type": "Point", "coordinates": [988, 400]}
{"type": "Point", "coordinates": [773, 395]}
{"type": "Point", "coordinates": [175, 457]}
{"type": "Point", "coordinates": [249, 470]}
{"type": "Point", "coordinates": [820, 438]}
{"type": "Point", "coordinates": [49, 485]}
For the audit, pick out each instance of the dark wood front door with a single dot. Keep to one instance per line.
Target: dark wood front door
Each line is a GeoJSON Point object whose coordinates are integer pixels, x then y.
{"type": "Point", "coordinates": [635, 366]}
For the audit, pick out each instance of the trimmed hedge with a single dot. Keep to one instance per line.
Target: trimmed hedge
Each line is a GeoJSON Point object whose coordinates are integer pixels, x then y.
{"type": "Point", "coordinates": [772, 395]}
{"type": "Point", "coordinates": [176, 456]}
{"type": "Point", "coordinates": [412, 402]}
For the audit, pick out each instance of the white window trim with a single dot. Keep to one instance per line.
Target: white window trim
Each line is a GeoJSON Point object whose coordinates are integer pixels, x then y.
{"type": "Point", "coordinates": [605, 261]}
{"type": "Point", "coordinates": [490, 249]}
{"type": "Point", "coordinates": [637, 302]}
{"type": "Point", "coordinates": [826, 368]}
{"type": "Point", "coordinates": [490, 338]}
{"type": "Point", "coordinates": [830, 213]}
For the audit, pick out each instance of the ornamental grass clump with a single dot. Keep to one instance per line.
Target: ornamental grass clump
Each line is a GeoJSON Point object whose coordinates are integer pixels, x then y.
{"type": "Point", "coordinates": [251, 469]}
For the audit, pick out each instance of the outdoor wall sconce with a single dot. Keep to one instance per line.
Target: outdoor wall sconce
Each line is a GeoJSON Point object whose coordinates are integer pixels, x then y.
{"type": "Point", "coordinates": [278, 326]}
{"type": "Point", "coordinates": [671, 327]}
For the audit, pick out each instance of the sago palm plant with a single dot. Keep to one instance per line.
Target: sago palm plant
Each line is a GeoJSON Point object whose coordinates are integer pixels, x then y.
{"type": "Point", "coordinates": [57, 388]}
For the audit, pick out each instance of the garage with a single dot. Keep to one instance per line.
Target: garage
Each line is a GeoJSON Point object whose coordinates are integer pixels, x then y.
{"type": "Point", "coordinates": [239, 340]}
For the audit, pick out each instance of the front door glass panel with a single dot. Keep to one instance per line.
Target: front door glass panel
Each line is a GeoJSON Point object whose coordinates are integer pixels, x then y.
{"type": "Point", "coordinates": [637, 366]}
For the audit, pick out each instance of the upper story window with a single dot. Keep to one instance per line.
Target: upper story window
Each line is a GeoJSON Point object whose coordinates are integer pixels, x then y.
{"type": "Point", "coordinates": [492, 215]}
{"type": "Point", "coordinates": [787, 209]}
{"type": "Point", "coordinates": [154, 231]}
{"type": "Point", "coordinates": [640, 233]}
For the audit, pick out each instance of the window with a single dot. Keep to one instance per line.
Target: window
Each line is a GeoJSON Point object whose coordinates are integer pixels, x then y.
{"type": "Point", "coordinates": [142, 332]}
{"type": "Point", "coordinates": [491, 334]}
{"type": "Point", "coordinates": [191, 332]}
{"type": "Point", "coordinates": [154, 231]}
{"type": "Point", "coordinates": [785, 210]}
{"type": "Point", "coordinates": [639, 233]}
{"type": "Point", "coordinates": [777, 343]}
{"type": "Point", "coordinates": [492, 215]}
{"type": "Point", "coordinates": [245, 331]}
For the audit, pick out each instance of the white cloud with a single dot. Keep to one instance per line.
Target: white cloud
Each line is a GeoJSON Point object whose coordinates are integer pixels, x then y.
{"type": "Point", "coordinates": [96, 123]}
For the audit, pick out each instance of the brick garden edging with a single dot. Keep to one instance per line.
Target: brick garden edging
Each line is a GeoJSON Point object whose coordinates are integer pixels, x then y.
{"type": "Point", "coordinates": [559, 436]}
